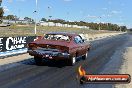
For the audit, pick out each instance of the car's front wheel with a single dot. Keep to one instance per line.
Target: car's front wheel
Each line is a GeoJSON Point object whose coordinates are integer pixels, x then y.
{"type": "Point", "coordinates": [38, 60]}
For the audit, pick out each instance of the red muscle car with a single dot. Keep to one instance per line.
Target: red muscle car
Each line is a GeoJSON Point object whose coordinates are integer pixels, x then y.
{"type": "Point", "coordinates": [59, 46]}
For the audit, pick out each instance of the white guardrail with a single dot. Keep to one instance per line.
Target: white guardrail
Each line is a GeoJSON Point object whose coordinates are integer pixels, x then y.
{"type": "Point", "coordinates": [92, 37]}
{"type": "Point", "coordinates": [89, 37]}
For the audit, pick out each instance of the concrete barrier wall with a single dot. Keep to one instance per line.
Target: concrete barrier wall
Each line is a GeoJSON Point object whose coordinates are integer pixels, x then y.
{"type": "Point", "coordinates": [98, 36]}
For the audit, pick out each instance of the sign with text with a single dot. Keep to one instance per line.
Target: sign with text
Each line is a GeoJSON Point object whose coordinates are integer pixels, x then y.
{"type": "Point", "coordinates": [106, 78]}
{"type": "Point", "coordinates": [14, 43]}
{"type": "Point", "coordinates": [102, 78]}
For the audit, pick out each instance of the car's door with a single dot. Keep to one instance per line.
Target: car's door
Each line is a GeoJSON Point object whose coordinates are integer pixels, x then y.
{"type": "Point", "coordinates": [79, 45]}
{"type": "Point", "coordinates": [83, 46]}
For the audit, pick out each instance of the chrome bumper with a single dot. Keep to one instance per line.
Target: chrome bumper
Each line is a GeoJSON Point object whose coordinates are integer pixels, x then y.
{"type": "Point", "coordinates": [48, 54]}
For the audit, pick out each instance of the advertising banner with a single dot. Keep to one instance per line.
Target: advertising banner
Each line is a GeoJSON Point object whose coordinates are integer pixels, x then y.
{"type": "Point", "coordinates": [15, 43]}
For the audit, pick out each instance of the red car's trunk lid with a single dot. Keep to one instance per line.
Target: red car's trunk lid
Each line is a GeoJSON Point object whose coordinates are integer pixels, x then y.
{"type": "Point", "coordinates": [53, 44]}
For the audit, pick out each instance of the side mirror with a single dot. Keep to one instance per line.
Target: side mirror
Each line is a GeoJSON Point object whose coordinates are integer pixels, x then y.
{"type": "Point", "coordinates": [84, 40]}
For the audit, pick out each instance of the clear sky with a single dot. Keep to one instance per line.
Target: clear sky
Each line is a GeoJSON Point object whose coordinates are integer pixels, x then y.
{"type": "Point", "coordinates": [113, 11]}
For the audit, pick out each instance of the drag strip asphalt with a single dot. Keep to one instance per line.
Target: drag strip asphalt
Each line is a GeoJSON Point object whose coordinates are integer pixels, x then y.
{"type": "Point", "coordinates": [56, 74]}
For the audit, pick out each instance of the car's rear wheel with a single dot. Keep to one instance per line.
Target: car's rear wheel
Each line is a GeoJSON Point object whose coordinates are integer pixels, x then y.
{"type": "Point", "coordinates": [72, 61]}
{"type": "Point", "coordinates": [38, 60]}
{"type": "Point", "coordinates": [85, 56]}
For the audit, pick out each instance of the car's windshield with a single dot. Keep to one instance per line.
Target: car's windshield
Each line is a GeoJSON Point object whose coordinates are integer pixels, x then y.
{"type": "Point", "coordinates": [57, 37]}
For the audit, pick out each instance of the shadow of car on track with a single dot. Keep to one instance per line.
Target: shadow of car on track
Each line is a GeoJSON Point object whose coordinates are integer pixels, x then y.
{"type": "Point", "coordinates": [49, 63]}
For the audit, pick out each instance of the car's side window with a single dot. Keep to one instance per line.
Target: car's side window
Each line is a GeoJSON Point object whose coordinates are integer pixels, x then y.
{"type": "Point", "coordinates": [78, 39]}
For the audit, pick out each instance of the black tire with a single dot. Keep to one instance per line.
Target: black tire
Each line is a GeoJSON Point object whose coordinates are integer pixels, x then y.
{"type": "Point", "coordinates": [72, 61]}
{"type": "Point", "coordinates": [38, 60]}
{"type": "Point", "coordinates": [89, 49]}
{"type": "Point", "coordinates": [85, 56]}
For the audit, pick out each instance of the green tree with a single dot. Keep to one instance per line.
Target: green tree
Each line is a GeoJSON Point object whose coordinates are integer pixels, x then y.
{"type": "Point", "coordinates": [43, 19]}
{"type": "Point", "coordinates": [1, 11]}
{"type": "Point", "coordinates": [123, 28]}
{"type": "Point", "coordinates": [28, 19]}
{"type": "Point", "coordinates": [57, 21]}
{"type": "Point", "coordinates": [1, 14]}
{"type": "Point", "coordinates": [10, 17]}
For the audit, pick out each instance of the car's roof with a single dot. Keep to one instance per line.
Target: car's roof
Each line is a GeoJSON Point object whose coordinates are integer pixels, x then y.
{"type": "Point", "coordinates": [64, 33]}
